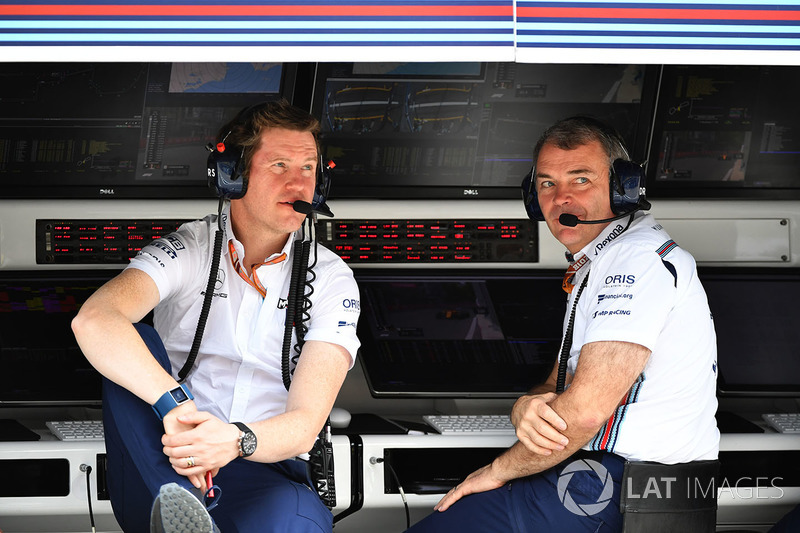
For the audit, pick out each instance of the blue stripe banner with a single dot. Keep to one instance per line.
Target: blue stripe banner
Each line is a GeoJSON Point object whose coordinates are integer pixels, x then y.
{"type": "Point", "coordinates": [555, 31]}
{"type": "Point", "coordinates": [310, 28]}
{"type": "Point", "coordinates": [660, 31]}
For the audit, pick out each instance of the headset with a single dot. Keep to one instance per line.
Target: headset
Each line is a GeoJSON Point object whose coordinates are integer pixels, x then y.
{"type": "Point", "coordinates": [227, 169]}
{"type": "Point", "coordinates": [626, 190]}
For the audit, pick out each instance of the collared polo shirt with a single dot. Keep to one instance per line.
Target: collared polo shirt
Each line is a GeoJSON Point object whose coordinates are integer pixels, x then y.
{"type": "Point", "coordinates": [237, 374]}
{"type": "Point", "coordinates": [644, 289]}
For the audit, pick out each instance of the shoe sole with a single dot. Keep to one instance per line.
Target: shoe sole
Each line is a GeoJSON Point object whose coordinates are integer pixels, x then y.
{"type": "Point", "coordinates": [182, 512]}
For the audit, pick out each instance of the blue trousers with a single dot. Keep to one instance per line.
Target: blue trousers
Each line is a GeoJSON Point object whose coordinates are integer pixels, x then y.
{"type": "Point", "coordinates": [568, 497]}
{"type": "Point", "coordinates": [254, 496]}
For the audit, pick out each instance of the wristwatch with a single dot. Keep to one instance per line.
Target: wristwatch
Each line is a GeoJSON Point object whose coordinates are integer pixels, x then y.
{"type": "Point", "coordinates": [172, 399]}
{"type": "Point", "coordinates": [247, 440]}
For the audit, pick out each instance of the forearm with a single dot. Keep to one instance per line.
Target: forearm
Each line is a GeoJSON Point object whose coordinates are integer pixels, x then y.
{"type": "Point", "coordinates": [518, 461]}
{"type": "Point", "coordinates": [316, 382]}
{"type": "Point", "coordinates": [113, 347]}
{"type": "Point", "coordinates": [582, 424]}
{"type": "Point", "coordinates": [285, 436]}
{"type": "Point", "coordinates": [605, 373]}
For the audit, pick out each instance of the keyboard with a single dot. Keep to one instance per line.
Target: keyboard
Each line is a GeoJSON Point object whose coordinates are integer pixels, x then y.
{"type": "Point", "coordinates": [76, 429]}
{"type": "Point", "coordinates": [471, 424]}
{"type": "Point", "coordinates": [783, 422]}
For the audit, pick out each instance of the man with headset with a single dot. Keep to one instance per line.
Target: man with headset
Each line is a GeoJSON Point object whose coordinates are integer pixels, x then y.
{"type": "Point", "coordinates": [232, 419]}
{"type": "Point", "coordinates": [637, 372]}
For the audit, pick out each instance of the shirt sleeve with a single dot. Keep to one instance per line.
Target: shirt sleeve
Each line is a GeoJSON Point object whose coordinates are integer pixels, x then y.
{"type": "Point", "coordinates": [168, 260]}
{"type": "Point", "coordinates": [335, 311]}
{"type": "Point", "coordinates": [632, 294]}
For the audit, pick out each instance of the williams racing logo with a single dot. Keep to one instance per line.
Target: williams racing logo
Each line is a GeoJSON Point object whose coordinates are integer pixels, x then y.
{"type": "Point", "coordinates": [345, 324]}
{"type": "Point", "coordinates": [615, 312]}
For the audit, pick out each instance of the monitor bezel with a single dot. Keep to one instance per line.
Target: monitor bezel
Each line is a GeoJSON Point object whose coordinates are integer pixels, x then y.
{"type": "Point", "coordinates": [731, 274]}
{"type": "Point", "coordinates": [638, 150]}
{"type": "Point", "coordinates": [97, 276]}
{"type": "Point", "coordinates": [291, 75]}
{"type": "Point", "coordinates": [708, 190]}
{"type": "Point", "coordinates": [553, 276]}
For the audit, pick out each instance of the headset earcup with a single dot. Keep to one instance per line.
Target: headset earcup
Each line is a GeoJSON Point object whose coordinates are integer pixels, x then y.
{"type": "Point", "coordinates": [322, 187]}
{"type": "Point", "coordinates": [530, 199]}
{"type": "Point", "coordinates": [626, 182]}
{"type": "Point", "coordinates": [225, 175]}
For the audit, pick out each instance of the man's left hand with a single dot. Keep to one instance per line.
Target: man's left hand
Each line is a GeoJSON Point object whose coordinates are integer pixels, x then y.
{"type": "Point", "coordinates": [481, 480]}
{"type": "Point", "coordinates": [211, 444]}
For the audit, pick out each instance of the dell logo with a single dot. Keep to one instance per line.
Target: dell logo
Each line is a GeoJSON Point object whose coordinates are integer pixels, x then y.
{"type": "Point", "coordinates": [109, 192]}
{"type": "Point", "coordinates": [470, 192]}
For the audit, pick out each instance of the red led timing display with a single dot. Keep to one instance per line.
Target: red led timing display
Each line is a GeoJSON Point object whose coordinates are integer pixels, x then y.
{"type": "Point", "coordinates": [355, 241]}
{"type": "Point", "coordinates": [431, 241]}
{"type": "Point", "coordinates": [96, 241]}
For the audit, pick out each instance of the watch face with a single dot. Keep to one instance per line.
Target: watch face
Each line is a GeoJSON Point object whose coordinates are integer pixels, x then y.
{"type": "Point", "coordinates": [248, 443]}
{"type": "Point", "coordinates": [179, 395]}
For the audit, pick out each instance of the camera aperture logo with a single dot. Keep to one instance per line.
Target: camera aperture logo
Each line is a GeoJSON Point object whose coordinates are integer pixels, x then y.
{"type": "Point", "coordinates": [585, 509]}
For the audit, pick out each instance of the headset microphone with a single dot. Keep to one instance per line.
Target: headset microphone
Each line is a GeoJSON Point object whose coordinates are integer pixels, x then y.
{"type": "Point", "coordinates": [302, 207]}
{"type": "Point", "coordinates": [306, 208]}
{"type": "Point", "coordinates": [567, 219]}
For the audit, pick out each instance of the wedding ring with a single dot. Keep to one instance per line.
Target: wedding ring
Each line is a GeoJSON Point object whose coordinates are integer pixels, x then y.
{"type": "Point", "coordinates": [189, 462]}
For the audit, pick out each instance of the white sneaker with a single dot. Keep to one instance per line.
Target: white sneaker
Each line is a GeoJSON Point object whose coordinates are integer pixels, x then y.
{"type": "Point", "coordinates": [176, 510]}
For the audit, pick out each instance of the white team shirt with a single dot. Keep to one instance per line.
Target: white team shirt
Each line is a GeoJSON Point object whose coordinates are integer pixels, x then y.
{"type": "Point", "coordinates": [644, 289]}
{"type": "Point", "coordinates": [237, 373]}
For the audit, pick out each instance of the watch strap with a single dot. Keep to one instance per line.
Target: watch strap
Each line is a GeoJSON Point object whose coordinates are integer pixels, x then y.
{"type": "Point", "coordinates": [172, 399]}
{"type": "Point", "coordinates": [242, 427]}
{"type": "Point", "coordinates": [245, 430]}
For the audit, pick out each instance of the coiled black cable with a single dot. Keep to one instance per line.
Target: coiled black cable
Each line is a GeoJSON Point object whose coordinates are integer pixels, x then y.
{"type": "Point", "coordinates": [563, 358]}
{"type": "Point", "coordinates": [305, 290]}
{"type": "Point", "coordinates": [320, 462]}
{"type": "Point", "coordinates": [212, 280]}
{"type": "Point", "coordinates": [298, 270]}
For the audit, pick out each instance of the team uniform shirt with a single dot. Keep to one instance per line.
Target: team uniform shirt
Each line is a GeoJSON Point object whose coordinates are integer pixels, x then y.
{"type": "Point", "coordinates": [642, 288]}
{"type": "Point", "coordinates": [237, 374]}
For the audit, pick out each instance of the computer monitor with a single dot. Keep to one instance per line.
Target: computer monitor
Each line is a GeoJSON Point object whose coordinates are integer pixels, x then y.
{"type": "Point", "coordinates": [121, 130]}
{"type": "Point", "coordinates": [41, 362]}
{"type": "Point", "coordinates": [756, 318]}
{"type": "Point", "coordinates": [463, 130]}
{"type": "Point", "coordinates": [726, 131]}
{"type": "Point", "coordinates": [459, 335]}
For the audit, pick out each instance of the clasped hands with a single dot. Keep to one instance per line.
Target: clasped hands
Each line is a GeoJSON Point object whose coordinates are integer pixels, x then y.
{"type": "Point", "coordinates": [197, 442]}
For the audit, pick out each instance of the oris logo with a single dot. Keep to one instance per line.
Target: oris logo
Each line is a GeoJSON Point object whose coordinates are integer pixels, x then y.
{"type": "Point", "coordinates": [352, 304]}
{"type": "Point", "coordinates": [620, 279]}
{"type": "Point", "coordinates": [107, 192]}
